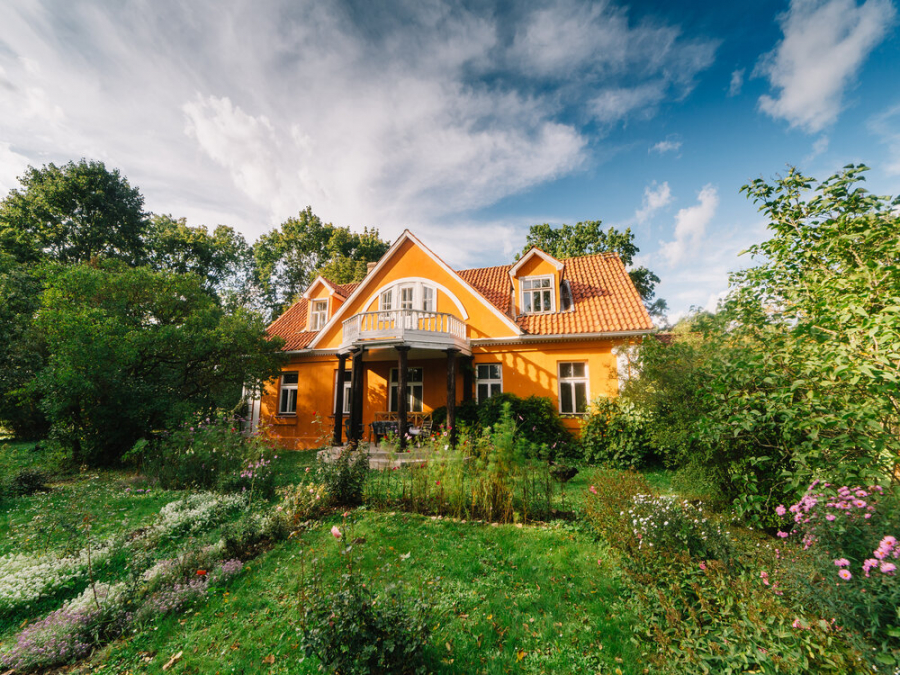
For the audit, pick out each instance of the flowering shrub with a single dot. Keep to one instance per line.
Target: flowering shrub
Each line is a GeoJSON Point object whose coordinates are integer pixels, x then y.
{"type": "Point", "coordinates": [196, 513]}
{"type": "Point", "coordinates": [676, 526]}
{"type": "Point", "coordinates": [305, 501]}
{"type": "Point", "coordinates": [211, 453]}
{"type": "Point", "coordinates": [843, 529]}
{"type": "Point", "coordinates": [345, 477]}
{"type": "Point", "coordinates": [181, 592]}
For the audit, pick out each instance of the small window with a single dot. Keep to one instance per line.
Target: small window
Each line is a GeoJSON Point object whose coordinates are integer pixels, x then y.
{"type": "Point", "coordinates": [386, 299]}
{"type": "Point", "coordinates": [287, 399]}
{"type": "Point", "coordinates": [573, 388]}
{"type": "Point", "coordinates": [318, 314]}
{"type": "Point", "coordinates": [537, 295]}
{"type": "Point", "coordinates": [427, 299]}
{"type": "Point", "coordinates": [565, 296]}
{"type": "Point", "coordinates": [407, 294]}
{"type": "Point", "coordinates": [413, 388]}
{"type": "Point", "coordinates": [348, 377]}
{"type": "Point", "coordinates": [489, 380]}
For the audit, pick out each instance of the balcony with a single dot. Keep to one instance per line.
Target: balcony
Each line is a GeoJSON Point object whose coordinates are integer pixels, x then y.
{"type": "Point", "coordinates": [413, 327]}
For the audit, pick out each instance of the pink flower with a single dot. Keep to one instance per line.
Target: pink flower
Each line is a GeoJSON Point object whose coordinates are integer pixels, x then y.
{"type": "Point", "coordinates": [336, 532]}
{"type": "Point", "coordinates": [888, 543]}
{"type": "Point", "coordinates": [765, 577]}
{"type": "Point", "coordinates": [880, 553]}
{"type": "Point", "coordinates": [783, 535]}
{"type": "Point", "coordinates": [888, 568]}
{"type": "Point", "coordinates": [780, 510]}
{"type": "Point", "coordinates": [829, 517]}
{"type": "Point", "coordinates": [869, 564]}
{"type": "Point", "coordinates": [842, 562]}
{"type": "Point", "coordinates": [797, 624]}
{"type": "Point", "coordinates": [859, 503]}
{"type": "Point", "coordinates": [592, 490]}
{"type": "Point", "coordinates": [845, 575]}
{"type": "Point", "coordinates": [703, 566]}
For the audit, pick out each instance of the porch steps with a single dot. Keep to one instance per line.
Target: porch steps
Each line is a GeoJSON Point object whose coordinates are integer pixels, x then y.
{"type": "Point", "coordinates": [384, 458]}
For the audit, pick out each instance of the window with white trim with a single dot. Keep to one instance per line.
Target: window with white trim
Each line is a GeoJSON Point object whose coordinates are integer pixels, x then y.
{"type": "Point", "coordinates": [407, 297]}
{"type": "Point", "coordinates": [386, 298]}
{"type": "Point", "coordinates": [413, 390]}
{"type": "Point", "coordinates": [573, 388]}
{"type": "Point", "coordinates": [427, 299]}
{"type": "Point", "coordinates": [287, 396]}
{"type": "Point", "coordinates": [537, 295]}
{"type": "Point", "coordinates": [348, 377]}
{"type": "Point", "coordinates": [318, 314]}
{"type": "Point", "coordinates": [488, 380]}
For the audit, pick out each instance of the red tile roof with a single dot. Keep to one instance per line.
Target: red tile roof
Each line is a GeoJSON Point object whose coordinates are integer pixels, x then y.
{"type": "Point", "coordinates": [603, 301]}
{"type": "Point", "coordinates": [603, 297]}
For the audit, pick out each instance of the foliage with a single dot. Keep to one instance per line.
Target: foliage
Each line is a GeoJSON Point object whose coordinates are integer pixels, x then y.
{"type": "Point", "coordinates": [354, 631]}
{"type": "Point", "coordinates": [211, 453]}
{"type": "Point", "coordinates": [344, 476]}
{"type": "Point", "coordinates": [666, 523]}
{"type": "Point", "coordinates": [304, 502]}
{"type": "Point", "coordinates": [586, 238]}
{"type": "Point", "coordinates": [289, 258]}
{"type": "Point", "coordinates": [614, 433]}
{"type": "Point", "coordinates": [537, 423]}
{"type": "Point", "coordinates": [73, 214]}
{"type": "Point", "coordinates": [25, 483]}
{"type": "Point", "coordinates": [133, 351]}
{"type": "Point", "coordinates": [221, 258]}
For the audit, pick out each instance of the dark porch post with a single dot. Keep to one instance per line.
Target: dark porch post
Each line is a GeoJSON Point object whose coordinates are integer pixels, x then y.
{"type": "Point", "coordinates": [451, 394]}
{"type": "Point", "coordinates": [337, 438]}
{"type": "Point", "coordinates": [402, 394]}
{"type": "Point", "coordinates": [468, 377]}
{"type": "Point", "coordinates": [356, 385]}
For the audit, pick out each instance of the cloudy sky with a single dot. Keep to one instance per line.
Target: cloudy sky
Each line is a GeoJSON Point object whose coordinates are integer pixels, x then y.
{"type": "Point", "coordinates": [464, 122]}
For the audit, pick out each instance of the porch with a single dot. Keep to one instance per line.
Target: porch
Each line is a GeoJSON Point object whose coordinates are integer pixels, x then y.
{"type": "Point", "coordinates": [399, 337]}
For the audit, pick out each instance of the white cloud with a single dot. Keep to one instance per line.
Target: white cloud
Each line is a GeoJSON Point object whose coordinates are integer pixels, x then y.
{"type": "Point", "coordinates": [820, 146]}
{"type": "Point", "coordinates": [887, 125]}
{"type": "Point", "coordinates": [690, 225]}
{"type": "Point", "coordinates": [737, 82]}
{"type": "Point", "coordinates": [665, 146]}
{"type": "Point", "coordinates": [825, 44]}
{"type": "Point", "coordinates": [655, 198]}
{"type": "Point", "coordinates": [12, 165]}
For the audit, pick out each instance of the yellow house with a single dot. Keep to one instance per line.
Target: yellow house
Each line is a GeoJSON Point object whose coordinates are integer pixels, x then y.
{"type": "Point", "coordinates": [385, 352]}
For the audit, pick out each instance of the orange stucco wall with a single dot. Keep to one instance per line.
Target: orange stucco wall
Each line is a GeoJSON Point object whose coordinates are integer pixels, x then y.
{"type": "Point", "coordinates": [526, 369]}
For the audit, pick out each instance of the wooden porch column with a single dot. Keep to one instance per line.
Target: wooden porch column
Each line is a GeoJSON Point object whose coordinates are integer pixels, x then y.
{"type": "Point", "coordinates": [356, 392]}
{"type": "Point", "coordinates": [468, 377]}
{"type": "Point", "coordinates": [402, 394]}
{"type": "Point", "coordinates": [451, 394]}
{"type": "Point", "coordinates": [337, 438]}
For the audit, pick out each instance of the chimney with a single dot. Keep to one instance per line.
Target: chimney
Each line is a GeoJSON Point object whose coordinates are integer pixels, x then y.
{"type": "Point", "coordinates": [369, 267]}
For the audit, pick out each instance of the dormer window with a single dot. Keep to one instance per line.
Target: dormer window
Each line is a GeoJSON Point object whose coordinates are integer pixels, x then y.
{"type": "Point", "coordinates": [537, 295]}
{"type": "Point", "coordinates": [318, 314]}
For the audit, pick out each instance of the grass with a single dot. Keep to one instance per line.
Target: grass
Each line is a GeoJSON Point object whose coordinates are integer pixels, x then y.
{"type": "Point", "coordinates": [505, 599]}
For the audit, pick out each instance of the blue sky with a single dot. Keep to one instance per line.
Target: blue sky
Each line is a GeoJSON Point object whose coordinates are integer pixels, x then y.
{"type": "Point", "coordinates": [464, 122]}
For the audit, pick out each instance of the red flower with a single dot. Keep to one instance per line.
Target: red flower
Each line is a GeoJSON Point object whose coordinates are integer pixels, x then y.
{"type": "Point", "coordinates": [201, 573]}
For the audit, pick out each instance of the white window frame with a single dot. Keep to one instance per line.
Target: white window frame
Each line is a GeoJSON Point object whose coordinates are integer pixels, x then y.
{"type": "Point", "coordinates": [394, 384]}
{"type": "Point", "coordinates": [386, 300]}
{"type": "Point", "coordinates": [489, 381]}
{"type": "Point", "coordinates": [347, 389]}
{"type": "Point", "coordinates": [541, 289]}
{"type": "Point", "coordinates": [404, 303]}
{"type": "Point", "coordinates": [571, 382]}
{"type": "Point", "coordinates": [318, 317]}
{"type": "Point", "coordinates": [429, 293]}
{"type": "Point", "coordinates": [286, 388]}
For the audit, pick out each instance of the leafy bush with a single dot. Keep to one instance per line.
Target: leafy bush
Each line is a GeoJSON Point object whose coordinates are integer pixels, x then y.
{"type": "Point", "coordinates": [344, 477]}
{"type": "Point", "coordinates": [354, 631]}
{"type": "Point", "coordinates": [614, 434]}
{"type": "Point", "coordinates": [210, 453]}
{"type": "Point", "coordinates": [24, 483]}
{"type": "Point", "coordinates": [305, 501]}
{"type": "Point", "coordinates": [537, 423]}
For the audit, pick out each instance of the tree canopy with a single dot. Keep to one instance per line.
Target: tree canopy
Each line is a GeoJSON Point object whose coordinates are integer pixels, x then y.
{"type": "Point", "coordinates": [72, 214]}
{"type": "Point", "coordinates": [587, 238]}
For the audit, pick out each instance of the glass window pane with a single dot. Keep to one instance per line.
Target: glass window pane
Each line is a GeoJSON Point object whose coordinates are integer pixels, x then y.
{"type": "Point", "coordinates": [386, 300]}
{"type": "Point", "coordinates": [580, 397]}
{"type": "Point", "coordinates": [578, 369]}
{"type": "Point", "coordinates": [289, 378]}
{"type": "Point", "coordinates": [415, 398]}
{"type": "Point", "coordinates": [495, 388]}
{"type": "Point", "coordinates": [527, 302]}
{"type": "Point", "coordinates": [483, 392]}
{"type": "Point", "coordinates": [565, 397]}
{"type": "Point", "coordinates": [545, 283]}
{"type": "Point", "coordinates": [565, 370]}
{"type": "Point", "coordinates": [483, 371]}
{"type": "Point", "coordinates": [414, 375]}
{"type": "Point", "coordinates": [393, 405]}
{"type": "Point", "coordinates": [494, 371]}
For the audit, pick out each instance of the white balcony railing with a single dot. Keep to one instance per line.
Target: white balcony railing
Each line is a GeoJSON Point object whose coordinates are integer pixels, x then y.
{"type": "Point", "coordinates": [411, 325]}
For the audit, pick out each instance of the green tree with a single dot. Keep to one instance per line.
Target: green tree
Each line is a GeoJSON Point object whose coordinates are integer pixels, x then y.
{"type": "Point", "coordinates": [72, 214]}
{"type": "Point", "coordinates": [132, 352]}
{"type": "Point", "coordinates": [587, 238]}
{"type": "Point", "coordinates": [221, 258]}
{"type": "Point", "coordinates": [289, 258]}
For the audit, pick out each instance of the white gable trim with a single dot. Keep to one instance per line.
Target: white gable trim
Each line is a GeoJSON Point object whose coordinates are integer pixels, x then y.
{"type": "Point", "coordinates": [534, 251]}
{"type": "Point", "coordinates": [307, 294]}
{"type": "Point", "coordinates": [420, 280]}
{"type": "Point", "coordinates": [407, 235]}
